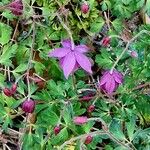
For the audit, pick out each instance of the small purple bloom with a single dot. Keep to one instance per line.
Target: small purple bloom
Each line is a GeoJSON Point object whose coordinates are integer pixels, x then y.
{"type": "Point", "coordinates": [134, 54]}
{"type": "Point", "coordinates": [88, 139]}
{"type": "Point", "coordinates": [16, 7]}
{"type": "Point", "coordinates": [57, 129]}
{"type": "Point", "coordinates": [109, 82]}
{"type": "Point", "coordinates": [79, 120]}
{"type": "Point", "coordinates": [28, 106]}
{"type": "Point", "coordinates": [71, 59]}
{"type": "Point", "coordinates": [84, 7]}
{"type": "Point", "coordinates": [7, 92]}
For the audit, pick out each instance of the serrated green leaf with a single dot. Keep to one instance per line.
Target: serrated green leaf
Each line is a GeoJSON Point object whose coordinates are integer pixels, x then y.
{"type": "Point", "coordinates": [115, 129]}
{"type": "Point", "coordinates": [8, 52]}
{"type": "Point", "coordinates": [20, 68]}
{"type": "Point", "coordinates": [61, 137]}
{"type": "Point", "coordinates": [5, 33]}
{"type": "Point", "coordinates": [104, 60]}
{"type": "Point", "coordinates": [97, 25]}
{"type": "Point", "coordinates": [130, 128]}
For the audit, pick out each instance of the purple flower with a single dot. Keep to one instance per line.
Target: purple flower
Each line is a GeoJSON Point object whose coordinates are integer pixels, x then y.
{"type": "Point", "coordinates": [28, 106]}
{"type": "Point", "coordinates": [7, 92]}
{"type": "Point", "coordinates": [16, 7]}
{"type": "Point", "coordinates": [109, 82]}
{"type": "Point", "coordinates": [79, 120]}
{"type": "Point", "coordinates": [57, 129]}
{"type": "Point", "coordinates": [84, 8]}
{"type": "Point", "coordinates": [71, 59]}
{"type": "Point", "coordinates": [88, 139]}
{"type": "Point", "coordinates": [134, 54]}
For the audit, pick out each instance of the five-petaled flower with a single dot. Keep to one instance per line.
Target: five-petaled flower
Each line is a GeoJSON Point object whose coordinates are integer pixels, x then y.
{"type": "Point", "coordinates": [109, 82]}
{"type": "Point", "coordinates": [71, 59]}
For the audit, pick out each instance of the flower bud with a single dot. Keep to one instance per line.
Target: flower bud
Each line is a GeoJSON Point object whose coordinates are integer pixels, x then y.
{"type": "Point", "coordinates": [134, 54]}
{"type": "Point", "coordinates": [88, 139]}
{"type": "Point", "coordinates": [105, 41]}
{"type": "Point", "coordinates": [7, 92]}
{"type": "Point", "coordinates": [80, 120]}
{"type": "Point", "coordinates": [91, 108]}
{"type": "Point", "coordinates": [84, 8]}
{"type": "Point", "coordinates": [87, 96]}
{"type": "Point", "coordinates": [57, 129]}
{"type": "Point", "coordinates": [13, 88]}
{"type": "Point", "coordinates": [16, 7]}
{"type": "Point", "coordinates": [28, 106]}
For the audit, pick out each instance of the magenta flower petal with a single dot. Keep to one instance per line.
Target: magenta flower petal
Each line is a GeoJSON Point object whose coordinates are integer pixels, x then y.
{"type": "Point", "coordinates": [59, 52]}
{"type": "Point", "coordinates": [82, 48]}
{"type": "Point", "coordinates": [118, 76]}
{"type": "Point", "coordinates": [70, 59]}
{"type": "Point", "coordinates": [61, 64]}
{"type": "Point", "coordinates": [61, 60]}
{"type": "Point", "coordinates": [68, 69]}
{"type": "Point", "coordinates": [109, 82]}
{"type": "Point", "coordinates": [79, 120]}
{"type": "Point", "coordinates": [83, 61]}
{"type": "Point", "coordinates": [110, 86]}
{"type": "Point", "coordinates": [66, 43]}
{"type": "Point", "coordinates": [104, 78]}
{"type": "Point", "coordinates": [16, 7]}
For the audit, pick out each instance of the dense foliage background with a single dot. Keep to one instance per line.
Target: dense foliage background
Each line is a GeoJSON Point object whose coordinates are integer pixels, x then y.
{"type": "Point", "coordinates": [116, 32]}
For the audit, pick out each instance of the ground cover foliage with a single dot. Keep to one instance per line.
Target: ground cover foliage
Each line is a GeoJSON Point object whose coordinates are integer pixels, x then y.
{"type": "Point", "coordinates": [74, 75]}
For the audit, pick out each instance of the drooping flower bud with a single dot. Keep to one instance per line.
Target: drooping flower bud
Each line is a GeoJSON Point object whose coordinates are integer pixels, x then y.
{"type": "Point", "coordinates": [134, 54]}
{"type": "Point", "coordinates": [7, 92]}
{"type": "Point", "coordinates": [87, 96]}
{"type": "Point", "coordinates": [16, 7]}
{"type": "Point", "coordinates": [28, 106]}
{"type": "Point", "coordinates": [91, 108]}
{"type": "Point", "coordinates": [88, 139]}
{"type": "Point", "coordinates": [84, 8]}
{"type": "Point", "coordinates": [105, 41]}
{"type": "Point", "coordinates": [80, 120]}
{"type": "Point", "coordinates": [57, 129]}
{"type": "Point", "coordinates": [109, 82]}
{"type": "Point", "coordinates": [13, 88]}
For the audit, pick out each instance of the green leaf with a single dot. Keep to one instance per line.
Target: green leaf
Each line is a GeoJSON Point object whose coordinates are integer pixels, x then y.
{"type": "Point", "coordinates": [7, 122]}
{"type": "Point", "coordinates": [8, 52]}
{"type": "Point", "coordinates": [117, 24]}
{"type": "Point", "coordinates": [48, 117]}
{"type": "Point", "coordinates": [106, 5]}
{"type": "Point", "coordinates": [20, 68]}
{"type": "Point", "coordinates": [2, 79]}
{"type": "Point", "coordinates": [104, 59]}
{"type": "Point", "coordinates": [115, 129]}
{"type": "Point", "coordinates": [8, 15]}
{"type": "Point", "coordinates": [97, 25]}
{"type": "Point", "coordinates": [67, 114]}
{"type": "Point", "coordinates": [28, 141]}
{"type": "Point", "coordinates": [39, 67]}
{"type": "Point", "coordinates": [121, 148]}
{"type": "Point", "coordinates": [60, 137]}
{"type": "Point", "coordinates": [130, 128]}
{"type": "Point", "coordinates": [55, 89]}
{"type": "Point", "coordinates": [5, 33]}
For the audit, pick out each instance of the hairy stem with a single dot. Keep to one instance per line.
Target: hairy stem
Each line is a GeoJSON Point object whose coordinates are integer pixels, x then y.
{"type": "Point", "coordinates": [30, 59]}
{"type": "Point", "coordinates": [66, 28]}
